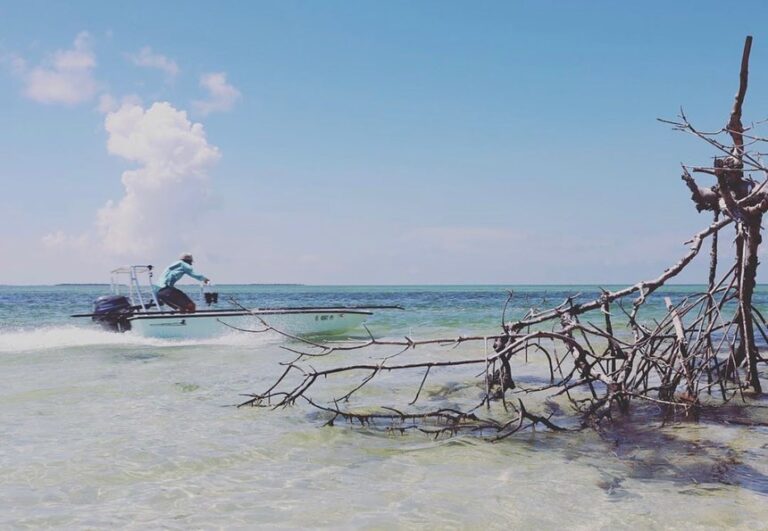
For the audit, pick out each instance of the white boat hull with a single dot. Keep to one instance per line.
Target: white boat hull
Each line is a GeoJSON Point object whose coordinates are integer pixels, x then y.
{"type": "Point", "coordinates": [134, 311]}
{"type": "Point", "coordinates": [202, 325]}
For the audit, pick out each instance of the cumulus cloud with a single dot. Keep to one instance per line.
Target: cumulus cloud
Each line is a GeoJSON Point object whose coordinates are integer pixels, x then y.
{"type": "Point", "coordinates": [221, 95]}
{"type": "Point", "coordinates": [166, 193]}
{"type": "Point", "coordinates": [148, 59]}
{"type": "Point", "coordinates": [65, 77]}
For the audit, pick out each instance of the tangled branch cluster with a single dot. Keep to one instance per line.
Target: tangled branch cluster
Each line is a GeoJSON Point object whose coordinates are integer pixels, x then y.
{"type": "Point", "coordinates": [703, 350]}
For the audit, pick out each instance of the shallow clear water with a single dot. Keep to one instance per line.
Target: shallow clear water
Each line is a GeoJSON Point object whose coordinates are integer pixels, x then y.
{"type": "Point", "coordinates": [103, 429]}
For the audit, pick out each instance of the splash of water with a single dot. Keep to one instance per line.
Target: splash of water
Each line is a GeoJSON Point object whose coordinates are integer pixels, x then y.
{"type": "Point", "coordinates": [57, 337]}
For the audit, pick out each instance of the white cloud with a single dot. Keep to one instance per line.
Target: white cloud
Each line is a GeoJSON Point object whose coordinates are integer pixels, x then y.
{"type": "Point", "coordinates": [148, 59]}
{"type": "Point", "coordinates": [222, 95]}
{"type": "Point", "coordinates": [66, 76]}
{"type": "Point", "coordinates": [165, 195]}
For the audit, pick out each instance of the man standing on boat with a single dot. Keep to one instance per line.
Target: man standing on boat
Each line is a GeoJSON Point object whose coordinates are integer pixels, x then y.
{"type": "Point", "coordinates": [173, 297]}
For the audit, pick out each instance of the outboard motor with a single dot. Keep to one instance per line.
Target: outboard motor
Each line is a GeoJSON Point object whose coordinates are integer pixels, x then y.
{"type": "Point", "coordinates": [112, 312]}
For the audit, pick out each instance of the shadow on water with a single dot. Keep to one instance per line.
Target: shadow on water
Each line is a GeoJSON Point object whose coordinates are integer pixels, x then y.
{"type": "Point", "coordinates": [700, 456]}
{"type": "Point", "coordinates": [724, 448]}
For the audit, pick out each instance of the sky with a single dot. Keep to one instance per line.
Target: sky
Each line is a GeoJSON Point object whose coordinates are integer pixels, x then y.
{"type": "Point", "coordinates": [362, 142]}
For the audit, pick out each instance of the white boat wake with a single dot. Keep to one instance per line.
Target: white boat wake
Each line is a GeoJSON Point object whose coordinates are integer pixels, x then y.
{"type": "Point", "coordinates": [62, 337]}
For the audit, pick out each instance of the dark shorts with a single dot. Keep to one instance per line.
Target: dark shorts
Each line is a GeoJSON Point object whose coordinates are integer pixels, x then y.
{"type": "Point", "coordinates": [174, 298]}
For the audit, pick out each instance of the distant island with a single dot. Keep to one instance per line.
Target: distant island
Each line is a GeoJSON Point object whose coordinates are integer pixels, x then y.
{"type": "Point", "coordinates": [261, 284]}
{"type": "Point", "coordinates": [70, 284]}
{"type": "Point", "coordinates": [86, 284]}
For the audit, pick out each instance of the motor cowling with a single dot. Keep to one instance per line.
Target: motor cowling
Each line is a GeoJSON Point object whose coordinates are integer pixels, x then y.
{"type": "Point", "coordinates": [112, 312]}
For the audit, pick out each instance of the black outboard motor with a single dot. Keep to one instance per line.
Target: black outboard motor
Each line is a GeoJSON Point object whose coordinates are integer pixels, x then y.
{"type": "Point", "coordinates": [112, 312]}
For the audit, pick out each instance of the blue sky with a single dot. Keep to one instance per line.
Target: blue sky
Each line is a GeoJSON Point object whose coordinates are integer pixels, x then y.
{"type": "Point", "coordinates": [361, 142]}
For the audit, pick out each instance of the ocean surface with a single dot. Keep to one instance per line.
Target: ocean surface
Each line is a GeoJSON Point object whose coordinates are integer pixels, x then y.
{"type": "Point", "coordinates": [103, 430]}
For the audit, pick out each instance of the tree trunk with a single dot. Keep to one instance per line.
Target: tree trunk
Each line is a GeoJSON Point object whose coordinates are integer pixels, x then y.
{"type": "Point", "coordinates": [747, 288]}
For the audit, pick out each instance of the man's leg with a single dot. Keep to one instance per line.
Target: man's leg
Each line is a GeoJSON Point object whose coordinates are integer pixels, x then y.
{"type": "Point", "coordinates": [176, 299]}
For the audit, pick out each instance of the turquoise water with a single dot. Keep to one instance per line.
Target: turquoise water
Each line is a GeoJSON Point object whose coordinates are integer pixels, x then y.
{"type": "Point", "coordinates": [462, 308]}
{"type": "Point", "coordinates": [104, 430]}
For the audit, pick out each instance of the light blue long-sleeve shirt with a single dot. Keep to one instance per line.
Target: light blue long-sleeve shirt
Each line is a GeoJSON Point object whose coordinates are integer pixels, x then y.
{"type": "Point", "coordinates": [173, 274]}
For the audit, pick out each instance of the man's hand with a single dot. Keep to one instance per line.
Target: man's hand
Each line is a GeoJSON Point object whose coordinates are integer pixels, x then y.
{"type": "Point", "coordinates": [207, 281]}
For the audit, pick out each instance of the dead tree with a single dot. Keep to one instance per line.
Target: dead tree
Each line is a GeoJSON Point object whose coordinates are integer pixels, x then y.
{"type": "Point", "coordinates": [702, 352]}
{"type": "Point", "coordinates": [736, 197]}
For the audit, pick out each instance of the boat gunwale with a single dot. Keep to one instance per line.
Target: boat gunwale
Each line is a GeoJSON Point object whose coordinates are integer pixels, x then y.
{"type": "Point", "coordinates": [238, 313]}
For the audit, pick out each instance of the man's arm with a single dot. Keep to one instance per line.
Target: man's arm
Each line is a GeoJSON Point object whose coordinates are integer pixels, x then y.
{"type": "Point", "coordinates": [192, 273]}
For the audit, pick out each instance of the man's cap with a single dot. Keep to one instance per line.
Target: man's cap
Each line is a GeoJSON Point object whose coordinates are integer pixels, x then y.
{"type": "Point", "coordinates": [186, 257]}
